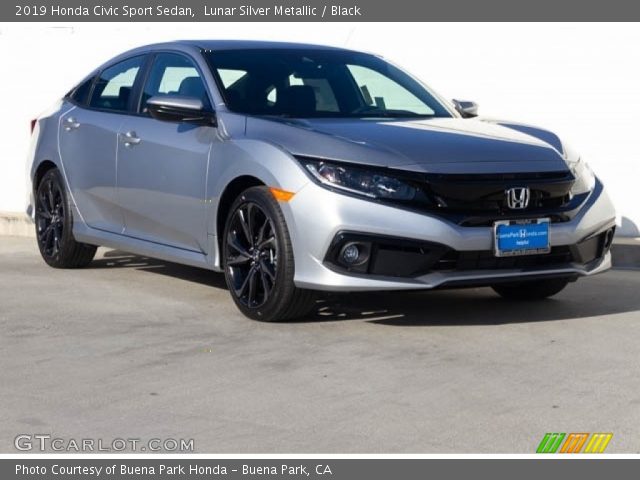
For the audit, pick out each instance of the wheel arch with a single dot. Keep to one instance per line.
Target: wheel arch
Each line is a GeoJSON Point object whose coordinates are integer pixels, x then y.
{"type": "Point", "coordinates": [234, 188]}
{"type": "Point", "coordinates": [236, 166]}
{"type": "Point", "coordinates": [43, 167]}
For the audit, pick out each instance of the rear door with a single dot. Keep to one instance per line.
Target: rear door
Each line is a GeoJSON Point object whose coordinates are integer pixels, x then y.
{"type": "Point", "coordinates": [88, 144]}
{"type": "Point", "coordinates": [162, 166]}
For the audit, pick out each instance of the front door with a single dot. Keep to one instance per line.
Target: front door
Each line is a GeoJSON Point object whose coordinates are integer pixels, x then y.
{"type": "Point", "coordinates": [162, 166]}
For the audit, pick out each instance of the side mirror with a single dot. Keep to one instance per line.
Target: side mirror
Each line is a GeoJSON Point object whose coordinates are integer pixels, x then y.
{"type": "Point", "coordinates": [178, 108]}
{"type": "Point", "coordinates": [466, 108]}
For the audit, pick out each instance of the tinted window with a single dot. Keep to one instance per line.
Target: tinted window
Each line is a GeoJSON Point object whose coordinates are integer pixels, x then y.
{"type": "Point", "coordinates": [380, 92]}
{"type": "Point", "coordinates": [324, 97]}
{"type": "Point", "coordinates": [80, 94]}
{"type": "Point", "coordinates": [173, 74]}
{"type": "Point", "coordinates": [319, 83]}
{"type": "Point", "coordinates": [229, 77]}
{"type": "Point", "coordinates": [114, 85]}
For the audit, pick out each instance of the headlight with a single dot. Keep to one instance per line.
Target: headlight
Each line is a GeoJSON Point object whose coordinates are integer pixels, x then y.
{"type": "Point", "coordinates": [585, 179]}
{"type": "Point", "coordinates": [360, 181]}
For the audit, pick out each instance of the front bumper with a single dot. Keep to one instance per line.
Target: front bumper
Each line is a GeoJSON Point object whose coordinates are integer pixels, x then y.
{"type": "Point", "coordinates": [316, 215]}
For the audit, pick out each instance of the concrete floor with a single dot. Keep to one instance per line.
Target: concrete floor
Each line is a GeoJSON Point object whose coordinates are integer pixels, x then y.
{"type": "Point", "coordinates": [139, 348]}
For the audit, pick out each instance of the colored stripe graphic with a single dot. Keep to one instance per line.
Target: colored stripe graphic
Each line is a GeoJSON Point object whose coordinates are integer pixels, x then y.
{"type": "Point", "coordinates": [598, 442]}
{"type": "Point", "coordinates": [574, 442]}
{"type": "Point", "coordinates": [550, 443]}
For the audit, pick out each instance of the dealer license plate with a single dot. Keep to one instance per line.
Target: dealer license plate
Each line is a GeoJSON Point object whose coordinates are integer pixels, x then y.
{"type": "Point", "coordinates": [521, 237]}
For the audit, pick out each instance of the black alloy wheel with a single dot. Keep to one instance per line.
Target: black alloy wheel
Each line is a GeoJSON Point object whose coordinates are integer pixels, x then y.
{"type": "Point", "coordinates": [50, 211]}
{"type": "Point", "coordinates": [258, 260]}
{"type": "Point", "coordinates": [54, 225]}
{"type": "Point", "coordinates": [252, 256]}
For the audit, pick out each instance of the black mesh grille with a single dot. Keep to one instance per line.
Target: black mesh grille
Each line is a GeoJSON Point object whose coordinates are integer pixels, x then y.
{"type": "Point", "coordinates": [481, 260]}
{"type": "Point", "coordinates": [479, 200]}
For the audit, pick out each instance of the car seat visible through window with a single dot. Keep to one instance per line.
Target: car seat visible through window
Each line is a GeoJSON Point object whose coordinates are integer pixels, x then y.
{"type": "Point", "coordinates": [297, 100]}
{"type": "Point", "coordinates": [194, 87]}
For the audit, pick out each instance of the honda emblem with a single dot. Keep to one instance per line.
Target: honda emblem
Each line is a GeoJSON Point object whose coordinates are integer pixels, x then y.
{"type": "Point", "coordinates": [518, 198]}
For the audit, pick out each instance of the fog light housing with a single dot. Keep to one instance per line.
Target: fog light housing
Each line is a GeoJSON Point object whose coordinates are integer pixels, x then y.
{"type": "Point", "coordinates": [382, 255]}
{"type": "Point", "coordinates": [353, 254]}
{"type": "Point", "coordinates": [350, 253]}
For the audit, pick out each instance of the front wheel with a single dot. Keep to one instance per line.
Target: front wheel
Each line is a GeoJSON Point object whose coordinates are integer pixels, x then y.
{"type": "Point", "coordinates": [54, 223]}
{"type": "Point", "coordinates": [258, 260]}
{"type": "Point", "coordinates": [531, 290]}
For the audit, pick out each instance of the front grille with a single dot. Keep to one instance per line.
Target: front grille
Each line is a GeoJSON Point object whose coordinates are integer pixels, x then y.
{"type": "Point", "coordinates": [486, 260]}
{"type": "Point", "coordinates": [480, 199]}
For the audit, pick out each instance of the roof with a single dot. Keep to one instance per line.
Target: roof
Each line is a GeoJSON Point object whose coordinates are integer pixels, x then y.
{"type": "Point", "coordinates": [217, 45]}
{"type": "Point", "coordinates": [252, 44]}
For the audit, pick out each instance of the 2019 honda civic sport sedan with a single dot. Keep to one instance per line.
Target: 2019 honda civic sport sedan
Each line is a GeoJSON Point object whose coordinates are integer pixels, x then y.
{"type": "Point", "coordinates": [296, 168]}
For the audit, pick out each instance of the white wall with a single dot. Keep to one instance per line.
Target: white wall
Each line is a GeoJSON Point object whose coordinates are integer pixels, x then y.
{"type": "Point", "coordinates": [580, 80]}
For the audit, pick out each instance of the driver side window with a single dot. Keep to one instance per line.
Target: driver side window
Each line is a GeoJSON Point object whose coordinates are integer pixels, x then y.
{"type": "Point", "coordinates": [174, 74]}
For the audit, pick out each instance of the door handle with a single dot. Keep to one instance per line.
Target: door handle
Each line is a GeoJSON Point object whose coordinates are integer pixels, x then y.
{"type": "Point", "coordinates": [70, 124]}
{"type": "Point", "coordinates": [130, 138]}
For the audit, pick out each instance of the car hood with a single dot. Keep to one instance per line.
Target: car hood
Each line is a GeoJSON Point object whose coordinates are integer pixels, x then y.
{"type": "Point", "coordinates": [438, 145]}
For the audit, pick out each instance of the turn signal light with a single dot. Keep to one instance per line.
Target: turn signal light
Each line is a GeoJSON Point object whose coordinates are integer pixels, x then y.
{"type": "Point", "coordinates": [281, 195]}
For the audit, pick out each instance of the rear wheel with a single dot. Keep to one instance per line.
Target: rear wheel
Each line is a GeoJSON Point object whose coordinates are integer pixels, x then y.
{"type": "Point", "coordinates": [54, 224]}
{"type": "Point", "coordinates": [258, 260]}
{"type": "Point", "coordinates": [531, 290]}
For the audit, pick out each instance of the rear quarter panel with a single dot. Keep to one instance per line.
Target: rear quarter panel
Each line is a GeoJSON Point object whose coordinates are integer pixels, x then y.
{"type": "Point", "coordinates": [44, 146]}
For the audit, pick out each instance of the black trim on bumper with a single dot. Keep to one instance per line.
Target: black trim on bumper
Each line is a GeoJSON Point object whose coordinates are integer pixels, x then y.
{"type": "Point", "coordinates": [406, 258]}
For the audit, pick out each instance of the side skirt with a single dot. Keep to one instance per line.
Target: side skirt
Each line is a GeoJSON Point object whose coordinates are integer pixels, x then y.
{"type": "Point", "coordinates": [85, 234]}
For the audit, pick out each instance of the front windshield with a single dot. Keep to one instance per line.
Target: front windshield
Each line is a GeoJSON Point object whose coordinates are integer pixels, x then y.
{"type": "Point", "coordinates": [318, 83]}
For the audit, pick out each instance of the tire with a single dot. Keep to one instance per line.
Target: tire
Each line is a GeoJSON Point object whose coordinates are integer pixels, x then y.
{"type": "Point", "coordinates": [531, 290]}
{"type": "Point", "coordinates": [258, 260]}
{"type": "Point", "coordinates": [54, 225]}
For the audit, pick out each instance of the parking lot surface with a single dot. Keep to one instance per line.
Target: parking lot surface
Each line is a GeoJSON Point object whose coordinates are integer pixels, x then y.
{"type": "Point", "coordinates": [133, 347]}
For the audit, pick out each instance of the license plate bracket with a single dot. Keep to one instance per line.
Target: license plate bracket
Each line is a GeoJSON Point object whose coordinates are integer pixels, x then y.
{"type": "Point", "coordinates": [521, 237]}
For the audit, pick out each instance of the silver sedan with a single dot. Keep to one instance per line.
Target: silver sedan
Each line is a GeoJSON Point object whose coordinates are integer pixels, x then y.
{"type": "Point", "coordinates": [299, 168]}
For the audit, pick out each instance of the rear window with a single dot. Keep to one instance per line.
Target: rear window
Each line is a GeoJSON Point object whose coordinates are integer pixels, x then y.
{"type": "Point", "coordinates": [114, 85]}
{"type": "Point", "coordinates": [80, 94]}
